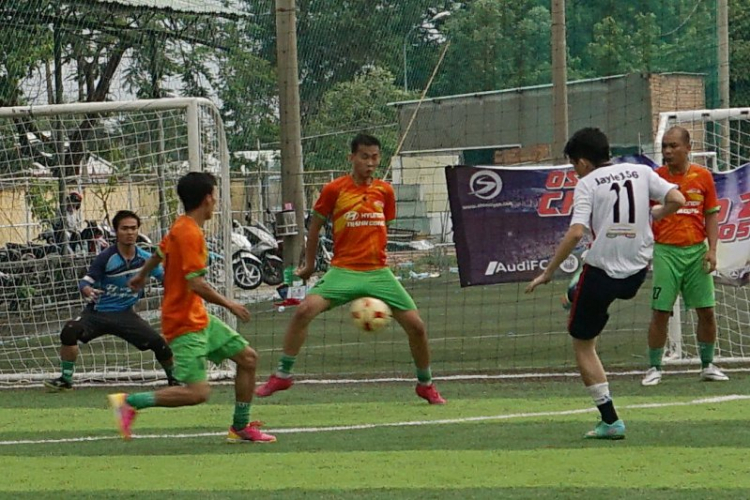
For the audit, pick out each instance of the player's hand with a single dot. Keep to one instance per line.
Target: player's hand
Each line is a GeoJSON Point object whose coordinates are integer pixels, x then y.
{"type": "Point", "coordinates": [657, 212]}
{"type": "Point", "coordinates": [305, 272]}
{"type": "Point", "coordinates": [91, 294]}
{"type": "Point", "coordinates": [240, 311]}
{"type": "Point", "coordinates": [137, 282]}
{"type": "Point", "coordinates": [542, 279]}
{"type": "Point", "coordinates": [709, 262]}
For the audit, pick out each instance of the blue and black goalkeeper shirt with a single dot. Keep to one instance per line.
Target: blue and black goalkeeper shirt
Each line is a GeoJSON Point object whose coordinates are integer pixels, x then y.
{"type": "Point", "coordinates": [111, 272]}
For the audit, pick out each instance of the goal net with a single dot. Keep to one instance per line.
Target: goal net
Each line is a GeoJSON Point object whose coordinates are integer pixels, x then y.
{"type": "Point", "coordinates": [721, 143]}
{"type": "Point", "coordinates": [116, 155]}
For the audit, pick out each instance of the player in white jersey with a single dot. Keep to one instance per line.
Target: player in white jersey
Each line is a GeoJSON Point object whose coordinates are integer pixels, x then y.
{"type": "Point", "coordinates": [613, 203]}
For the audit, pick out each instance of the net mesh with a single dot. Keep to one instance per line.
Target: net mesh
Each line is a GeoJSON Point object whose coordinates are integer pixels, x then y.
{"type": "Point", "coordinates": [363, 67]}
{"type": "Point", "coordinates": [119, 156]}
{"type": "Point", "coordinates": [721, 143]}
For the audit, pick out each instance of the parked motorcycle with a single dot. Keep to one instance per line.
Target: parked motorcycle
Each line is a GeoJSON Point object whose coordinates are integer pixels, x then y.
{"type": "Point", "coordinates": [324, 253]}
{"type": "Point", "coordinates": [95, 237]}
{"type": "Point", "coordinates": [266, 248]}
{"type": "Point", "coordinates": [246, 267]}
{"type": "Point", "coordinates": [9, 291]}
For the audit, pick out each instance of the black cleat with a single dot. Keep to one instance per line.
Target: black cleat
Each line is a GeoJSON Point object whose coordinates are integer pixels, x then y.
{"type": "Point", "coordinates": [58, 385]}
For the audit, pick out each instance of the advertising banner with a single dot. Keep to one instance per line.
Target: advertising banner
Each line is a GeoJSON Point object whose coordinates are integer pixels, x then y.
{"type": "Point", "coordinates": [507, 221]}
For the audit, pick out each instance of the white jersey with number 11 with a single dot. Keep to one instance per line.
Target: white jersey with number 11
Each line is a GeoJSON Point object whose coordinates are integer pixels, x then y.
{"type": "Point", "coordinates": [613, 202]}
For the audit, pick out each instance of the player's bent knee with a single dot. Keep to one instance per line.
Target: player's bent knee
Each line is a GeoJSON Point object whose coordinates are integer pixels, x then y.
{"type": "Point", "coordinates": [660, 318]}
{"type": "Point", "coordinates": [306, 311]}
{"type": "Point", "coordinates": [71, 333]}
{"type": "Point", "coordinates": [161, 349]}
{"type": "Point", "coordinates": [248, 358]}
{"type": "Point", "coordinates": [705, 313]}
{"type": "Point", "coordinates": [412, 323]}
{"type": "Point", "coordinates": [417, 329]}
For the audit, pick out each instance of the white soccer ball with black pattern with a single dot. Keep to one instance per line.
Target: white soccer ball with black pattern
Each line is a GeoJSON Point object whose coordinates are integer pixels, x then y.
{"type": "Point", "coordinates": [370, 314]}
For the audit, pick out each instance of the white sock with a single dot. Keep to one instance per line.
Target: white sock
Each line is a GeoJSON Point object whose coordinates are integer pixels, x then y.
{"type": "Point", "coordinates": [600, 393]}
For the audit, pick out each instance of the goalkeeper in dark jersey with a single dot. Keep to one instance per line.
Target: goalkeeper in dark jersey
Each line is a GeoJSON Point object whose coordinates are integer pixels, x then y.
{"type": "Point", "coordinates": [110, 308]}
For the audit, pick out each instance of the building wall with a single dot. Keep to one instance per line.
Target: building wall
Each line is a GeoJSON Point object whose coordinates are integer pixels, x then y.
{"type": "Point", "coordinates": [523, 117]}
{"type": "Point", "coordinates": [518, 122]}
{"type": "Point", "coordinates": [675, 92]}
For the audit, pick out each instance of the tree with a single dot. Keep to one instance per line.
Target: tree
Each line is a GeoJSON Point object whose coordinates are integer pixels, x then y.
{"type": "Point", "coordinates": [611, 51]}
{"type": "Point", "coordinates": [248, 91]}
{"type": "Point", "coordinates": [338, 40]}
{"type": "Point", "coordinates": [739, 46]}
{"type": "Point", "coordinates": [360, 105]}
{"type": "Point", "coordinates": [496, 44]}
{"type": "Point", "coordinates": [608, 38]}
{"type": "Point", "coordinates": [24, 45]}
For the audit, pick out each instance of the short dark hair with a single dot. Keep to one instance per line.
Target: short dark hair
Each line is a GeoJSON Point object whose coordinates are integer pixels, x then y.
{"type": "Point", "coordinates": [364, 140]}
{"type": "Point", "coordinates": [684, 134]}
{"type": "Point", "coordinates": [192, 188]}
{"type": "Point", "coordinates": [125, 214]}
{"type": "Point", "coordinates": [588, 143]}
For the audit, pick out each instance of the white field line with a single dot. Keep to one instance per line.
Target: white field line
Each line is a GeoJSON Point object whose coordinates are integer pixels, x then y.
{"type": "Point", "coordinates": [382, 380]}
{"type": "Point", "coordinates": [408, 423]}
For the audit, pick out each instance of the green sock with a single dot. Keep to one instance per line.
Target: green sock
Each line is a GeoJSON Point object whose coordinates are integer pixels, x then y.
{"type": "Point", "coordinates": [655, 356]}
{"type": "Point", "coordinates": [141, 400]}
{"type": "Point", "coordinates": [286, 363]}
{"type": "Point", "coordinates": [424, 376]}
{"type": "Point", "coordinates": [68, 367]}
{"type": "Point", "coordinates": [707, 353]}
{"type": "Point", "coordinates": [241, 415]}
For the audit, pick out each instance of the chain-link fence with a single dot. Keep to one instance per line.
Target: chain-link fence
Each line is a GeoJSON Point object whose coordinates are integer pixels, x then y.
{"type": "Point", "coordinates": [484, 67]}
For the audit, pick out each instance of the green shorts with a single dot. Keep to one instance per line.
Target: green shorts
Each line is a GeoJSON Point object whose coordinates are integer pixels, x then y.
{"type": "Point", "coordinates": [340, 286]}
{"type": "Point", "coordinates": [216, 343]}
{"type": "Point", "coordinates": [680, 270]}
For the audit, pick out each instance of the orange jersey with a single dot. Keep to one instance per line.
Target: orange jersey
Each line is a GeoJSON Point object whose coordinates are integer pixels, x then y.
{"type": "Point", "coordinates": [359, 215]}
{"type": "Point", "coordinates": [185, 256]}
{"type": "Point", "coordinates": [688, 225]}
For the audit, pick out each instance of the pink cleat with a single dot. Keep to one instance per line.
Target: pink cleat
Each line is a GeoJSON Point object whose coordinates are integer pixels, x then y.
{"type": "Point", "coordinates": [124, 413]}
{"type": "Point", "coordinates": [430, 393]}
{"type": "Point", "coordinates": [250, 434]}
{"type": "Point", "coordinates": [274, 384]}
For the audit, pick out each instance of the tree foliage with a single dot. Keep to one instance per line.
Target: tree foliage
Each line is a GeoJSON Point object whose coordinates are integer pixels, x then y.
{"type": "Point", "coordinates": [359, 105]}
{"type": "Point", "coordinates": [345, 47]}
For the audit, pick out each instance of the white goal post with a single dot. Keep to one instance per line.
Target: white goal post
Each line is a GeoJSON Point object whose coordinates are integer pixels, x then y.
{"type": "Point", "coordinates": [118, 155]}
{"type": "Point", "coordinates": [721, 143]}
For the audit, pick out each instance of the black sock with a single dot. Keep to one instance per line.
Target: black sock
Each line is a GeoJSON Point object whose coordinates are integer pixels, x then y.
{"type": "Point", "coordinates": [609, 415]}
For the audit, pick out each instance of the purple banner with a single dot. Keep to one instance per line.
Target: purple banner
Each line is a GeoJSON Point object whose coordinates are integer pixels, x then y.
{"type": "Point", "coordinates": [507, 221]}
{"type": "Point", "coordinates": [733, 251]}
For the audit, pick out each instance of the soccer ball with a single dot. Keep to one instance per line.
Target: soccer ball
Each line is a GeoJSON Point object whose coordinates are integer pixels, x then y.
{"type": "Point", "coordinates": [370, 314]}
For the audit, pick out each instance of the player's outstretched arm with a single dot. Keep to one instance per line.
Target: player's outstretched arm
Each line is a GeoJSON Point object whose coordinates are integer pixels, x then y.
{"type": "Point", "coordinates": [138, 281]}
{"type": "Point", "coordinates": [204, 290]}
{"type": "Point", "coordinates": [673, 201]}
{"type": "Point", "coordinates": [567, 245]}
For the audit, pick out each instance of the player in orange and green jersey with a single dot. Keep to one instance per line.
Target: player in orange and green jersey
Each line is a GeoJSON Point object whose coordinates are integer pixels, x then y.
{"type": "Point", "coordinates": [683, 263]}
{"type": "Point", "coordinates": [194, 335]}
{"type": "Point", "coordinates": [360, 208]}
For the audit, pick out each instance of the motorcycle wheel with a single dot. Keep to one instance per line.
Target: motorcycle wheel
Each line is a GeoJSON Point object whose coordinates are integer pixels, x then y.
{"type": "Point", "coordinates": [273, 272]}
{"type": "Point", "coordinates": [247, 274]}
